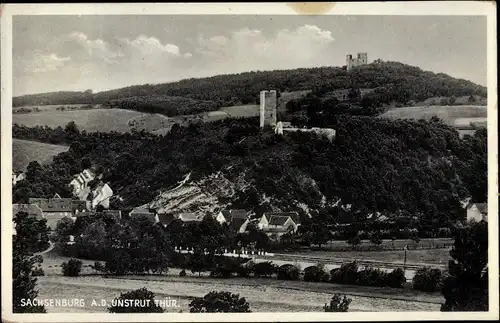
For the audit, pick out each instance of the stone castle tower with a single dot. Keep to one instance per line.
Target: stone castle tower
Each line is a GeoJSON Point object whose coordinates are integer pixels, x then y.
{"type": "Point", "coordinates": [268, 102]}
{"type": "Point", "coordinates": [362, 59]}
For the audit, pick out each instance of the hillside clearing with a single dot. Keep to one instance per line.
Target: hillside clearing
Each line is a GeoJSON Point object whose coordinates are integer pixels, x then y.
{"type": "Point", "coordinates": [26, 151]}
{"type": "Point", "coordinates": [89, 120]}
{"type": "Point", "coordinates": [449, 114]}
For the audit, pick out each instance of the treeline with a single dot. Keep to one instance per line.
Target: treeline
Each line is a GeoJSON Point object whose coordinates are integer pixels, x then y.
{"type": "Point", "coordinates": [418, 169]}
{"type": "Point", "coordinates": [244, 88]}
{"type": "Point", "coordinates": [166, 105]}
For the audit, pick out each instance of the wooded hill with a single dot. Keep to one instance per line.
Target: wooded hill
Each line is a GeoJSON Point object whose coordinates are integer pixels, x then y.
{"type": "Point", "coordinates": [396, 80]}
{"type": "Point", "coordinates": [420, 168]}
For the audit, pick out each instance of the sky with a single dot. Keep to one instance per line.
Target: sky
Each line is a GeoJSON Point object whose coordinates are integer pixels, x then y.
{"type": "Point", "coordinates": [76, 53]}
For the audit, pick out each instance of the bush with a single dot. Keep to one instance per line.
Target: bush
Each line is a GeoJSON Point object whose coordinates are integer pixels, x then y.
{"type": "Point", "coordinates": [141, 294]}
{"type": "Point", "coordinates": [72, 268]}
{"type": "Point", "coordinates": [288, 272]}
{"type": "Point", "coordinates": [338, 304]}
{"type": "Point", "coordinates": [371, 277]}
{"type": "Point", "coordinates": [98, 266]}
{"type": "Point", "coordinates": [219, 302]}
{"type": "Point", "coordinates": [242, 271]}
{"type": "Point", "coordinates": [119, 263]}
{"type": "Point", "coordinates": [38, 271]}
{"type": "Point", "coordinates": [346, 274]}
{"type": "Point", "coordinates": [182, 273]}
{"type": "Point", "coordinates": [427, 279]}
{"type": "Point", "coordinates": [315, 274]}
{"type": "Point", "coordinates": [265, 269]}
{"type": "Point", "coordinates": [396, 278]}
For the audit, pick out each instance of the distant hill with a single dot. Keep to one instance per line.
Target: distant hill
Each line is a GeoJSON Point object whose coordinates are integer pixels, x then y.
{"type": "Point", "coordinates": [405, 81]}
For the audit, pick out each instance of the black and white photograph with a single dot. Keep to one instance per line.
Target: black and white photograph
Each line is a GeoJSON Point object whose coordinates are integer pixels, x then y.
{"type": "Point", "coordinates": [248, 162]}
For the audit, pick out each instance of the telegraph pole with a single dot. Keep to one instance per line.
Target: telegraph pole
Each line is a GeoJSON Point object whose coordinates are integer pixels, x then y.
{"type": "Point", "coordinates": [404, 264]}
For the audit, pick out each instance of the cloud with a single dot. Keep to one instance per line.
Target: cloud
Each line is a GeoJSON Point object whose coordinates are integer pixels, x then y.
{"type": "Point", "coordinates": [90, 62]}
{"type": "Point", "coordinates": [41, 63]}
{"type": "Point", "coordinates": [251, 49]}
{"type": "Point", "coordinates": [150, 46]}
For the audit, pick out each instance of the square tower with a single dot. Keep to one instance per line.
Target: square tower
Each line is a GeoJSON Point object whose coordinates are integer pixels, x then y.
{"type": "Point", "coordinates": [362, 58]}
{"type": "Point", "coordinates": [268, 102]}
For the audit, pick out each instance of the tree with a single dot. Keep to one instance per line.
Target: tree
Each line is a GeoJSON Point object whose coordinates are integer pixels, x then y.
{"type": "Point", "coordinates": [338, 304]}
{"type": "Point", "coordinates": [375, 238]}
{"type": "Point", "coordinates": [72, 268]}
{"type": "Point", "coordinates": [24, 261]}
{"type": "Point", "coordinates": [320, 234]}
{"type": "Point", "coordinates": [472, 99]}
{"type": "Point", "coordinates": [354, 94]}
{"type": "Point", "coordinates": [64, 229]}
{"type": "Point", "coordinates": [137, 301]}
{"type": "Point", "coordinates": [71, 128]}
{"type": "Point", "coordinates": [220, 302]}
{"type": "Point", "coordinates": [465, 288]}
{"type": "Point", "coordinates": [354, 241]}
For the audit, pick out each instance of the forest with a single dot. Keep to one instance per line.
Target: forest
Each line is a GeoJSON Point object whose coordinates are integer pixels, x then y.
{"type": "Point", "coordinates": [396, 80]}
{"type": "Point", "coordinates": [421, 169]}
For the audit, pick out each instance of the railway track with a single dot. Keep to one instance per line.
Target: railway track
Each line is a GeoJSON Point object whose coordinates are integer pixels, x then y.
{"type": "Point", "coordinates": [339, 261]}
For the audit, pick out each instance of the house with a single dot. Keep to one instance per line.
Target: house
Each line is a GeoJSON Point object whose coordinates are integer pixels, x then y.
{"type": "Point", "coordinates": [101, 196]}
{"type": "Point", "coordinates": [54, 209]}
{"type": "Point", "coordinates": [226, 216]}
{"type": "Point", "coordinates": [278, 224]}
{"type": "Point", "coordinates": [189, 217]}
{"type": "Point", "coordinates": [143, 212]}
{"type": "Point", "coordinates": [477, 212]}
{"type": "Point", "coordinates": [17, 177]}
{"type": "Point", "coordinates": [80, 182]}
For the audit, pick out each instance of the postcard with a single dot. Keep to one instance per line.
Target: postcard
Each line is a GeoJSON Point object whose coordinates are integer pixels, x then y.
{"type": "Point", "coordinates": [249, 162]}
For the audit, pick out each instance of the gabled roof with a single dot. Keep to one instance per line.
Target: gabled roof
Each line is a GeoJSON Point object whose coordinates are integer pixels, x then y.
{"type": "Point", "coordinates": [53, 205]}
{"type": "Point", "coordinates": [278, 220]}
{"type": "Point", "coordinates": [294, 215]}
{"type": "Point", "coordinates": [189, 217]}
{"type": "Point", "coordinates": [483, 208]}
{"type": "Point", "coordinates": [229, 215]}
{"type": "Point", "coordinates": [236, 223]}
{"type": "Point", "coordinates": [31, 209]}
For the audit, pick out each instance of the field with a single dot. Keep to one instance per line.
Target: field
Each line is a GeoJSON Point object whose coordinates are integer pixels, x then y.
{"type": "Point", "coordinates": [451, 115]}
{"type": "Point", "coordinates": [422, 256]}
{"type": "Point", "coordinates": [41, 108]}
{"type": "Point", "coordinates": [89, 120]}
{"type": "Point", "coordinates": [264, 295]}
{"type": "Point", "coordinates": [242, 110]}
{"type": "Point", "coordinates": [25, 151]}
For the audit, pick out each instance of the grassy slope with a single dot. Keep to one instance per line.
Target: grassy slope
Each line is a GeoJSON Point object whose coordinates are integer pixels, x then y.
{"type": "Point", "coordinates": [449, 114]}
{"type": "Point", "coordinates": [25, 151]}
{"type": "Point", "coordinates": [89, 120]}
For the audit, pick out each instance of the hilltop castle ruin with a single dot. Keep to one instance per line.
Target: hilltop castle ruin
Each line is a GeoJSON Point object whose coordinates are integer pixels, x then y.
{"type": "Point", "coordinates": [268, 116]}
{"type": "Point", "coordinates": [268, 102]}
{"type": "Point", "coordinates": [362, 59]}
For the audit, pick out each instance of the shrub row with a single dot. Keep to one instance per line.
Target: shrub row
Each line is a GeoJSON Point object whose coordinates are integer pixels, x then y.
{"type": "Point", "coordinates": [428, 279]}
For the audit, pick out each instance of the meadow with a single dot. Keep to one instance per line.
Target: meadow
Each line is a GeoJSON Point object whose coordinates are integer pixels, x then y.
{"type": "Point", "coordinates": [89, 120]}
{"type": "Point", "coordinates": [25, 151]}
{"type": "Point", "coordinates": [451, 115]}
